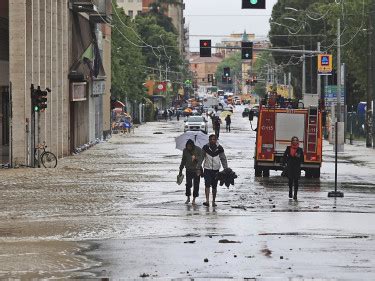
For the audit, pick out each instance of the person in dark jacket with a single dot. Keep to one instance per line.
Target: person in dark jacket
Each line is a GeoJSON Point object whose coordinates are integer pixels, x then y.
{"type": "Point", "coordinates": [293, 157]}
{"type": "Point", "coordinates": [192, 160]}
{"type": "Point", "coordinates": [228, 121]}
{"type": "Point", "coordinates": [214, 157]}
{"type": "Point", "coordinates": [217, 123]}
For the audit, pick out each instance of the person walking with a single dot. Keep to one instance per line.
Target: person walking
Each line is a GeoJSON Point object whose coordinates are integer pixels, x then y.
{"type": "Point", "coordinates": [293, 157]}
{"type": "Point", "coordinates": [214, 157]}
{"type": "Point", "coordinates": [228, 121]}
{"type": "Point", "coordinates": [178, 113]}
{"type": "Point", "coordinates": [217, 123]}
{"type": "Point", "coordinates": [165, 115]}
{"type": "Point", "coordinates": [192, 159]}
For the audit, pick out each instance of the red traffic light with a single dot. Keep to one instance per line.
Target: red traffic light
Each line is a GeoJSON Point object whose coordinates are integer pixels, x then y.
{"type": "Point", "coordinates": [205, 48]}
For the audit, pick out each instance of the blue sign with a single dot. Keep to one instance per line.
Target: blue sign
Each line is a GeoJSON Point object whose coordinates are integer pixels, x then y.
{"type": "Point", "coordinates": [325, 60]}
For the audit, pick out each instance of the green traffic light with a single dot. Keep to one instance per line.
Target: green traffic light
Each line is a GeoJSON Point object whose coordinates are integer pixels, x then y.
{"type": "Point", "coordinates": [36, 108]}
{"type": "Point", "coordinates": [254, 2]}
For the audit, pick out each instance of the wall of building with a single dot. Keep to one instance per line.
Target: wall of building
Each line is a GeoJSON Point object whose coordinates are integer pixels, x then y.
{"type": "Point", "coordinates": [38, 55]}
{"type": "Point", "coordinates": [106, 30]}
{"type": "Point", "coordinates": [175, 12]}
{"type": "Point", "coordinates": [201, 67]}
{"type": "Point", "coordinates": [131, 5]}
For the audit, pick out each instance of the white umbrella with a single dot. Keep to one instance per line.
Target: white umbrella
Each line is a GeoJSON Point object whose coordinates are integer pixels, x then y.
{"type": "Point", "coordinates": [198, 137]}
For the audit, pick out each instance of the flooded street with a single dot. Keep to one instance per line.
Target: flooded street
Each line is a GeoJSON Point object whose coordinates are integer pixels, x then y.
{"type": "Point", "coordinates": [116, 211]}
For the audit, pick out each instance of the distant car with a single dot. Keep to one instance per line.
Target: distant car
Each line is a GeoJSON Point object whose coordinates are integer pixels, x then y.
{"type": "Point", "coordinates": [196, 123]}
{"type": "Point", "coordinates": [228, 108]}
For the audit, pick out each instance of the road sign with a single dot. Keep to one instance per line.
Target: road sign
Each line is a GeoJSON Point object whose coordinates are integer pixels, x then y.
{"type": "Point", "coordinates": [325, 64]}
{"type": "Point", "coordinates": [330, 95]}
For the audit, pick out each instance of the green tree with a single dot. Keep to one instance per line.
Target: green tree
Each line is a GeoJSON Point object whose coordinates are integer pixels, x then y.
{"type": "Point", "coordinates": [127, 74]}
{"type": "Point", "coordinates": [316, 21]}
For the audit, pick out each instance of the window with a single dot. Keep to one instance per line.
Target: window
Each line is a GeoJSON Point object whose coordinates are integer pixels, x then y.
{"type": "Point", "coordinates": [139, 12]}
{"type": "Point", "coordinates": [130, 13]}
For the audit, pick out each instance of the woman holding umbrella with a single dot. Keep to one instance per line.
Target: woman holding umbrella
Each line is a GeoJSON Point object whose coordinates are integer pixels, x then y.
{"type": "Point", "coordinates": [192, 160]}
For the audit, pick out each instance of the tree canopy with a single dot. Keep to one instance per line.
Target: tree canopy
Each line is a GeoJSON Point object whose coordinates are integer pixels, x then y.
{"type": "Point", "coordinates": [295, 24]}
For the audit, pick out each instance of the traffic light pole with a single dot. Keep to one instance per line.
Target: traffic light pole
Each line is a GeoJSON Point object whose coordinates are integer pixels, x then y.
{"type": "Point", "coordinates": [32, 134]}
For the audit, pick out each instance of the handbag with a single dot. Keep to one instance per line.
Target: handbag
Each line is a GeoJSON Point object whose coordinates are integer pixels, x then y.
{"type": "Point", "coordinates": [180, 178]}
{"type": "Point", "coordinates": [284, 173]}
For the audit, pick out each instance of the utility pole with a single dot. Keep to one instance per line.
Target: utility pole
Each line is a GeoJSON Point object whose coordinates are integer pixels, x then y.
{"type": "Point", "coordinates": [303, 73]}
{"type": "Point", "coordinates": [369, 84]}
{"type": "Point", "coordinates": [289, 85]}
{"type": "Point", "coordinates": [338, 71]}
{"type": "Point", "coordinates": [318, 81]}
{"type": "Point", "coordinates": [372, 39]}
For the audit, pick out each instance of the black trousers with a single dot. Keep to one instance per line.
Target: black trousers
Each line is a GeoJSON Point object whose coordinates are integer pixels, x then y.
{"type": "Point", "coordinates": [293, 182]}
{"type": "Point", "coordinates": [228, 127]}
{"type": "Point", "coordinates": [217, 131]}
{"type": "Point", "coordinates": [192, 178]}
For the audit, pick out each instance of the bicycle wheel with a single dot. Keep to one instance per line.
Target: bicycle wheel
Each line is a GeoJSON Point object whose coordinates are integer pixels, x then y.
{"type": "Point", "coordinates": [49, 160]}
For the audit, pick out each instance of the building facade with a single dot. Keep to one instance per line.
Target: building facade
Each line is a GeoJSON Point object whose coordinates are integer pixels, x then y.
{"type": "Point", "coordinates": [176, 12]}
{"type": "Point", "coordinates": [201, 67]}
{"type": "Point", "coordinates": [131, 8]}
{"type": "Point", "coordinates": [40, 49]}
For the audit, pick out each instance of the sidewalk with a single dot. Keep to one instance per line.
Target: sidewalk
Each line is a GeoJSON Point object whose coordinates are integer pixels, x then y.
{"type": "Point", "coordinates": [357, 153]}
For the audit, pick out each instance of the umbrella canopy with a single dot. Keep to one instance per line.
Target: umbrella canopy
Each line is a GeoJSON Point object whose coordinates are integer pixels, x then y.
{"type": "Point", "coordinates": [225, 114]}
{"type": "Point", "coordinates": [198, 137]}
{"type": "Point", "coordinates": [118, 104]}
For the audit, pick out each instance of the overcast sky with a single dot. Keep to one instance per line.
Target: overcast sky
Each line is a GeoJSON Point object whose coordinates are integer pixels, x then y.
{"type": "Point", "coordinates": [217, 18]}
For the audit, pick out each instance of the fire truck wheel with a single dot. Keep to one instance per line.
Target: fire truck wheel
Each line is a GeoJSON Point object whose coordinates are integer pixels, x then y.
{"type": "Point", "coordinates": [308, 173]}
{"type": "Point", "coordinates": [266, 173]}
{"type": "Point", "coordinates": [258, 171]}
{"type": "Point", "coordinates": [315, 173]}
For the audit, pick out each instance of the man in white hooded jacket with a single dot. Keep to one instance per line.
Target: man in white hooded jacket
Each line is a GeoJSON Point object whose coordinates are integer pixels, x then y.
{"type": "Point", "coordinates": [214, 157]}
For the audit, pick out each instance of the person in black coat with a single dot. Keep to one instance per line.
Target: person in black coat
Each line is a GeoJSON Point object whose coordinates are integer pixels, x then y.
{"type": "Point", "coordinates": [228, 121]}
{"type": "Point", "coordinates": [293, 157]}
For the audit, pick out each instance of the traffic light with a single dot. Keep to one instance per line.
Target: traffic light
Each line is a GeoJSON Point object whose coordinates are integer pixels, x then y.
{"type": "Point", "coordinates": [227, 71]}
{"type": "Point", "coordinates": [39, 99]}
{"type": "Point", "coordinates": [247, 50]}
{"type": "Point", "coordinates": [230, 80]}
{"type": "Point", "coordinates": [253, 4]}
{"type": "Point", "coordinates": [224, 79]}
{"type": "Point", "coordinates": [205, 48]}
{"type": "Point", "coordinates": [248, 81]}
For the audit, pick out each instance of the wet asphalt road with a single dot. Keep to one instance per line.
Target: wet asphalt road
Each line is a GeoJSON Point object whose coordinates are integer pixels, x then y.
{"type": "Point", "coordinates": [116, 211]}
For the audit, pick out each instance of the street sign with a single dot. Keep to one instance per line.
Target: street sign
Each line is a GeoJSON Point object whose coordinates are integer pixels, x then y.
{"type": "Point", "coordinates": [330, 95]}
{"type": "Point", "coordinates": [324, 64]}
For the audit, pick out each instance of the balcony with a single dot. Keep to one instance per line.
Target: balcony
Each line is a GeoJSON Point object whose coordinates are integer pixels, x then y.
{"type": "Point", "coordinates": [99, 11]}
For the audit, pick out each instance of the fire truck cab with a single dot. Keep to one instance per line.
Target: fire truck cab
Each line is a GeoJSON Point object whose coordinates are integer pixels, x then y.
{"type": "Point", "coordinates": [278, 122]}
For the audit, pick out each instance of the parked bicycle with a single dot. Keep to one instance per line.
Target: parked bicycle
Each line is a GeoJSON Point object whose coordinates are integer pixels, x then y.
{"type": "Point", "coordinates": [47, 158]}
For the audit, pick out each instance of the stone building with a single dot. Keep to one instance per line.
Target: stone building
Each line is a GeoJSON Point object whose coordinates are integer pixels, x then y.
{"type": "Point", "coordinates": [40, 45]}
{"type": "Point", "coordinates": [131, 7]}
{"type": "Point", "coordinates": [201, 67]}
{"type": "Point", "coordinates": [176, 13]}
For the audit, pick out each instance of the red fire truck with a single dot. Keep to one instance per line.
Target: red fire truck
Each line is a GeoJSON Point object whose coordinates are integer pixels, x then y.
{"type": "Point", "coordinates": [277, 124]}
